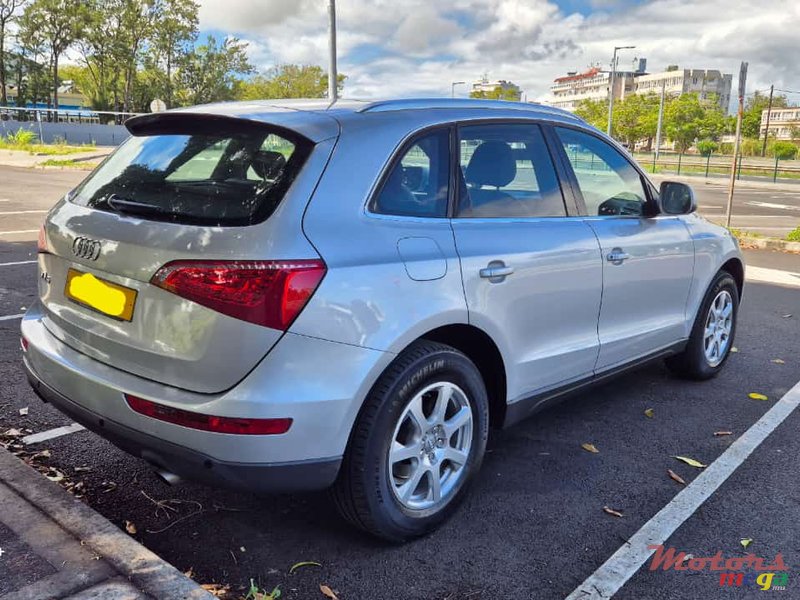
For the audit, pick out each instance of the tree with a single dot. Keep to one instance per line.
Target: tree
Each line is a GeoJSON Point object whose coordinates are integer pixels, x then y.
{"type": "Point", "coordinates": [137, 18]}
{"type": "Point", "coordinates": [783, 150]}
{"type": "Point", "coordinates": [754, 107]}
{"type": "Point", "coordinates": [212, 72]}
{"type": "Point", "coordinates": [594, 112]}
{"type": "Point", "coordinates": [8, 14]}
{"type": "Point", "coordinates": [101, 47]}
{"type": "Point", "coordinates": [687, 118]}
{"type": "Point", "coordinates": [174, 30]}
{"type": "Point", "coordinates": [635, 118]}
{"type": "Point", "coordinates": [58, 23]}
{"type": "Point", "coordinates": [289, 81]}
{"type": "Point", "coordinates": [707, 147]}
{"type": "Point", "coordinates": [498, 93]}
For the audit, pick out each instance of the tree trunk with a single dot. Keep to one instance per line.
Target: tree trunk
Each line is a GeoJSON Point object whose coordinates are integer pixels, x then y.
{"type": "Point", "coordinates": [55, 85]}
{"type": "Point", "coordinates": [169, 80]}
{"type": "Point", "coordinates": [3, 99]}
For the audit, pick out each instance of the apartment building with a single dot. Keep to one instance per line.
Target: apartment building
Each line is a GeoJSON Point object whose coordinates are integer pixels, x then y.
{"type": "Point", "coordinates": [784, 123]}
{"type": "Point", "coordinates": [486, 86]}
{"type": "Point", "coordinates": [593, 84]}
{"type": "Point", "coordinates": [676, 82]}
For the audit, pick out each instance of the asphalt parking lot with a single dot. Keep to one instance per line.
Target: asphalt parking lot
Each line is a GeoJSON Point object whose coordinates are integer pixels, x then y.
{"type": "Point", "coordinates": [534, 525]}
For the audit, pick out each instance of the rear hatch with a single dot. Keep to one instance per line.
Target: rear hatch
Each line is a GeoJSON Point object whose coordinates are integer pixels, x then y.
{"type": "Point", "coordinates": [181, 258]}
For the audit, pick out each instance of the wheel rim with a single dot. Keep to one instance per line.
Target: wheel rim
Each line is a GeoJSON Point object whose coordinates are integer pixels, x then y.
{"type": "Point", "coordinates": [430, 446]}
{"type": "Point", "coordinates": [719, 324]}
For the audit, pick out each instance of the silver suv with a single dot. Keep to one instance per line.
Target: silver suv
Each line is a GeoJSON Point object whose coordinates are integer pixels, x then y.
{"type": "Point", "coordinates": [295, 296]}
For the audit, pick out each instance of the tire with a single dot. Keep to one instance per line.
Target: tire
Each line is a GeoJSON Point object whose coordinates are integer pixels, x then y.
{"type": "Point", "coordinates": [694, 362]}
{"type": "Point", "coordinates": [364, 492]}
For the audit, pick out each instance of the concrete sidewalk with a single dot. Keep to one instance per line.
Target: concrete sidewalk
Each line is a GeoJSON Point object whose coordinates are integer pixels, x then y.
{"type": "Point", "coordinates": [53, 546]}
{"type": "Point", "coordinates": [22, 158]}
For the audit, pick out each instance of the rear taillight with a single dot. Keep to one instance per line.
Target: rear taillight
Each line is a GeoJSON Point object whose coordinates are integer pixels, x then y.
{"type": "Point", "coordinates": [193, 420]}
{"type": "Point", "coordinates": [23, 342]}
{"type": "Point", "coordinates": [268, 293]}
{"type": "Point", "coordinates": [41, 244]}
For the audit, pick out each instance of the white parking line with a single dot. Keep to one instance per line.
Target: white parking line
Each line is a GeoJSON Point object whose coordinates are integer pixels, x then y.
{"type": "Point", "coordinates": [23, 212]}
{"type": "Point", "coordinates": [626, 561]}
{"type": "Point", "coordinates": [19, 262]}
{"type": "Point", "coordinates": [12, 317]}
{"type": "Point", "coordinates": [772, 276]}
{"type": "Point", "coordinates": [52, 433]}
{"type": "Point", "coordinates": [19, 231]}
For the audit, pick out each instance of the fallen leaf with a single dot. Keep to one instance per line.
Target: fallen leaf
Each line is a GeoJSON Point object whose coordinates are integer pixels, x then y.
{"type": "Point", "coordinates": [108, 486]}
{"type": "Point", "coordinates": [734, 349]}
{"type": "Point", "coordinates": [778, 361]}
{"type": "Point", "coordinates": [189, 573]}
{"type": "Point", "coordinates": [675, 477]}
{"type": "Point", "coordinates": [691, 462]}
{"type": "Point", "coordinates": [23, 411]}
{"type": "Point", "coordinates": [41, 454]}
{"type": "Point", "coordinates": [216, 589]}
{"type": "Point", "coordinates": [590, 448]}
{"type": "Point", "coordinates": [787, 316]}
{"type": "Point", "coordinates": [305, 563]}
{"type": "Point", "coordinates": [649, 413]}
{"type": "Point", "coordinates": [718, 433]}
{"type": "Point", "coordinates": [242, 549]}
{"type": "Point", "coordinates": [757, 396]}
{"type": "Point", "coordinates": [130, 527]}
{"type": "Point", "coordinates": [745, 542]}
{"type": "Point", "coordinates": [612, 512]}
{"type": "Point", "coordinates": [54, 474]}
{"type": "Point", "coordinates": [82, 469]}
{"type": "Point", "coordinates": [13, 433]}
{"type": "Point", "coordinates": [328, 592]}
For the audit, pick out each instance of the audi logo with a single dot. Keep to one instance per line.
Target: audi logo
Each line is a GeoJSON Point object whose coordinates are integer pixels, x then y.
{"type": "Point", "coordinates": [85, 248]}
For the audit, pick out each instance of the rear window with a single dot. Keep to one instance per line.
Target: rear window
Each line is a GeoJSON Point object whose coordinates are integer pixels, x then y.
{"type": "Point", "coordinates": [211, 178]}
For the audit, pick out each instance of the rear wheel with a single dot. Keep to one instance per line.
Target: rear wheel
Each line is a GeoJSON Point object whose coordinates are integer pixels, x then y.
{"type": "Point", "coordinates": [713, 332]}
{"type": "Point", "coordinates": [418, 442]}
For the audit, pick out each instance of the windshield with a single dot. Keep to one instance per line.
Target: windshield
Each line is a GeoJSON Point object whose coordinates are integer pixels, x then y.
{"type": "Point", "coordinates": [215, 179]}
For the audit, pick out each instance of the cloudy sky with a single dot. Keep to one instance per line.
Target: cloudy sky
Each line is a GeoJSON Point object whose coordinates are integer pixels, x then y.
{"type": "Point", "coordinates": [417, 47]}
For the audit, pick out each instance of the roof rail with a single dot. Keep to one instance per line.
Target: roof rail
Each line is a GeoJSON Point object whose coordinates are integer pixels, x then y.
{"type": "Point", "coordinates": [423, 103]}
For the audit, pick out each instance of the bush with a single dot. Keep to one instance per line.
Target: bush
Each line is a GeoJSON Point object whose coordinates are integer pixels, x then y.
{"type": "Point", "coordinates": [22, 137]}
{"type": "Point", "coordinates": [751, 147]}
{"type": "Point", "coordinates": [782, 150]}
{"type": "Point", "coordinates": [707, 147]}
{"type": "Point", "coordinates": [794, 235]}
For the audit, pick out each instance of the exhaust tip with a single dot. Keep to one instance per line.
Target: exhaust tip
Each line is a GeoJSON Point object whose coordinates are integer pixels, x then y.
{"type": "Point", "coordinates": [168, 477]}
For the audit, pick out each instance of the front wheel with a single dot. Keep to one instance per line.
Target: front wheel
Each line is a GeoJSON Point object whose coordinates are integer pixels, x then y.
{"type": "Point", "coordinates": [418, 442]}
{"type": "Point", "coordinates": [711, 340]}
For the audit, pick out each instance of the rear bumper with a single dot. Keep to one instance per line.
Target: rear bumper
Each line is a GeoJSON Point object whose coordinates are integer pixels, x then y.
{"type": "Point", "coordinates": [317, 383]}
{"type": "Point", "coordinates": [191, 464]}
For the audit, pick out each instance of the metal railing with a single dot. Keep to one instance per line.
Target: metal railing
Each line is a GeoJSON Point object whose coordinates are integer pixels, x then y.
{"type": "Point", "coordinates": [64, 115]}
{"type": "Point", "coordinates": [719, 165]}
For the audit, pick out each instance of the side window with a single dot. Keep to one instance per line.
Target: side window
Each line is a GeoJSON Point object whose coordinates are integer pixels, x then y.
{"type": "Point", "coordinates": [418, 185]}
{"type": "Point", "coordinates": [507, 172]}
{"type": "Point", "coordinates": [608, 182]}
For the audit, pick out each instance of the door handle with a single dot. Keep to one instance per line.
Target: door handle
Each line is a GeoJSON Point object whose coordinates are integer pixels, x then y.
{"type": "Point", "coordinates": [617, 256]}
{"type": "Point", "coordinates": [496, 271]}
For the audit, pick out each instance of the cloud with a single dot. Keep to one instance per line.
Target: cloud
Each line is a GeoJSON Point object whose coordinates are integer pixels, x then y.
{"type": "Point", "coordinates": [417, 47]}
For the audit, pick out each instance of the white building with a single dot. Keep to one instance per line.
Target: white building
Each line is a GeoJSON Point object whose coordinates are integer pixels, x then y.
{"type": "Point", "coordinates": [486, 86]}
{"type": "Point", "coordinates": [567, 92]}
{"type": "Point", "coordinates": [705, 83]}
{"type": "Point", "coordinates": [571, 90]}
{"type": "Point", "coordinates": [784, 123]}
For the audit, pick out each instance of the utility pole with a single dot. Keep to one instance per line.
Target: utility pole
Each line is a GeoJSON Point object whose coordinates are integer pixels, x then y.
{"type": "Point", "coordinates": [769, 114]}
{"type": "Point", "coordinates": [333, 78]}
{"type": "Point", "coordinates": [738, 141]}
{"type": "Point", "coordinates": [453, 87]}
{"type": "Point", "coordinates": [611, 84]}
{"type": "Point", "coordinates": [660, 116]}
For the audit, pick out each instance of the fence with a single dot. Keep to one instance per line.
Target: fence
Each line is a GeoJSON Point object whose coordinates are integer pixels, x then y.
{"type": "Point", "coordinates": [103, 128]}
{"type": "Point", "coordinates": [719, 165]}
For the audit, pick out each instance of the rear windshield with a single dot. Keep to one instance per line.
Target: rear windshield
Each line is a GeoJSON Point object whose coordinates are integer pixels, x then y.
{"type": "Point", "coordinates": [219, 178]}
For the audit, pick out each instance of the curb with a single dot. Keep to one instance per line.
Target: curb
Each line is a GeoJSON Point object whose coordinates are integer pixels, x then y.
{"type": "Point", "coordinates": [769, 244]}
{"type": "Point", "coordinates": [144, 569]}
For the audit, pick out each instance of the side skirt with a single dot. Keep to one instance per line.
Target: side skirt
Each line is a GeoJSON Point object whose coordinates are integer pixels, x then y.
{"type": "Point", "coordinates": [522, 409]}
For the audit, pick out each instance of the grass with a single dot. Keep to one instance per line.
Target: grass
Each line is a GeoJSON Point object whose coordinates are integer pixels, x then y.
{"type": "Point", "coordinates": [25, 140]}
{"type": "Point", "coordinates": [68, 163]}
{"type": "Point", "coordinates": [793, 235]}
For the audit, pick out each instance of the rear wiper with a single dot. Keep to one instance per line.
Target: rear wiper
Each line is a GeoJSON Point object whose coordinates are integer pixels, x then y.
{"type": "Point", "coordinates": [126, 205]}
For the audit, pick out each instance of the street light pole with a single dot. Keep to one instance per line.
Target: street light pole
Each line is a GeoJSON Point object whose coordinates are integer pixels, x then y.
{"type": "Point", "coordinates": [453, 87]}
{"type": "Point", "coordinates": [333, 78]}
{"type": "Point", "coordinates": [612, 80]}
{"type": "Point", "coordinates": [660, 117]}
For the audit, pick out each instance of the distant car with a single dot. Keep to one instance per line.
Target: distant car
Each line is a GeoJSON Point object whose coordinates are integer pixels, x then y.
{"type": "Point", "coordinates": [298, 296]}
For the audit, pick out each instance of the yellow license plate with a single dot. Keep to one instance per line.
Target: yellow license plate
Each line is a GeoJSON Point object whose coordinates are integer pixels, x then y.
{"type": "Point", "coordinates": [98, 294]}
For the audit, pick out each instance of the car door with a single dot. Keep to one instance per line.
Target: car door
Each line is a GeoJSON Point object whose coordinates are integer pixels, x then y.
{"type": "Point", "coordinates": [532, 275]}
{"type": "Point", "coordinates": [648, 258]}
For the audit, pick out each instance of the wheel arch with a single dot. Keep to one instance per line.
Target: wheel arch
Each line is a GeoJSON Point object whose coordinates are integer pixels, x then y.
{"type": "Point", "coordinates": [735, 267]}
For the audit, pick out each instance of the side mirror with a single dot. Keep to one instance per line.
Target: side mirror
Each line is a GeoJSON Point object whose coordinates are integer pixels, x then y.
{"type": "Point", "coordinates": [677, 198]}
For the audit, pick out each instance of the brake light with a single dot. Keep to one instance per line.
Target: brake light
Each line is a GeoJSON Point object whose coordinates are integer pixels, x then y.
{"type": "Point", "coordinates": [193, 420]}
{"type": "Point", "coordinates": [268, 293]}
{"type": "Point", "coordinates": [23, 342]}
{"type": "Point", "coordinates": [41, 244]}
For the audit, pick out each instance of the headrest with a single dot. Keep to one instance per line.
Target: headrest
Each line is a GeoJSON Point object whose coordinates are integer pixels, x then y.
{"type": "Point", "coordinates": [268, 164]}
{"type": "Point", "coordinates": [493, 164]}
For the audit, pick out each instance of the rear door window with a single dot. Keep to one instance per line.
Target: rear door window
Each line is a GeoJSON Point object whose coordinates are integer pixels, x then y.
{"type": "Point", "coordinates": [219, 178]}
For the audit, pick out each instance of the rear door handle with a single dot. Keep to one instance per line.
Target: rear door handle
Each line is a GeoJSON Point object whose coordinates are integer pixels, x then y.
{"type": "Point", "coordinates": [496, 271]}
{"type": "Point", "coordinates": [617, 256]}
